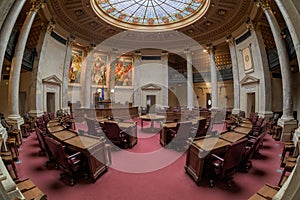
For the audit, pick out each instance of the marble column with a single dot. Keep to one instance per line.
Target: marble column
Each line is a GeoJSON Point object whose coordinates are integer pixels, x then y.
{"type": "Point", "coordinates": [5, 7]}
{"type": "Point", "coordinates": [65, 82]}
{"type": "Point", "coordinates": [214, 78]}
{"type": "Point", "coordinates": [136, 85]}
{"type": "Point", "coordinates": [165, 92]}
{"type": "Point", "coordinates": [14, 80]}
{"type": "Point", "coordinates": [36, 90]}
{"type": "Point", "coordinates": [86, 73]}
{"type": "Point", "coordinates": [235, 74]}
{"type": "Point", "coordinates": [189, 65]}
{"type": "Point", "coordinates": [7, 28]}
{"type": "Point", "coordinates": [291, 17]}
{"type": "Point", "coordinates": [287, 120]}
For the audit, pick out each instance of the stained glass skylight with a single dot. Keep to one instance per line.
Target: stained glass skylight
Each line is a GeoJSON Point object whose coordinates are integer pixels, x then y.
{"type": "Point", "coordinates": [145, 13]}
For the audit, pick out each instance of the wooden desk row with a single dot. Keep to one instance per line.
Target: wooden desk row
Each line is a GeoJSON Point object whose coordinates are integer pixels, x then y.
{"type": "Point", "coordinates": [167, 126]}
{"type": "Point", "coordinates": [202, 148]}
{"type": "Point", "coordinates": [93, 148]}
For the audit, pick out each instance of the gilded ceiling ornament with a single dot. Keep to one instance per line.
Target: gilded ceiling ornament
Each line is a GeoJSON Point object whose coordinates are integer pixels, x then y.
{"type": "Point", "coordinates": [264, 4]}
{"type": "Point", "coordinates": [36, 5]}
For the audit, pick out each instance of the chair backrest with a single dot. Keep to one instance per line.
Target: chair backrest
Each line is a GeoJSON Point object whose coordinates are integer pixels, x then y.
{"type": "Point", "coordinates": [58, 152]}
{"type": "Point", "coordinates": [202, 129]}
{"type": "Point", "coordinates": [41, 139]}
{"type": "Point", "coordinates": [233, 155]}
{"type": "Point", "coordinates": [51, 115]}
{"type": "Point", "coordinates": [91, 124]}
{"type": "Point", "coordinates": [255, 147]}
{"type": "Point", "coordinates": [112, 130]}
{"type": "Point", "coordinates": [183, 130]}
{"type": "Point", "coordinates": [259, 121]}
{"type": "Point", "coordinates": [46, 117]}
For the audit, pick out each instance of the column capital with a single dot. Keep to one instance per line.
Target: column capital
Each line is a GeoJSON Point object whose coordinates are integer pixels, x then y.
{"type": "Point", "coordinates": [36, 5]}
{"type": "Point", "coordinates": [89, 48]}
{"type": "Point", "coordinates": [71, 40]}
{"type": "Point", "coordinates": [50, 26]}
{"type": "Point", "coordinates": [137, 55]}
{"type": "Point", "coordinates": [230, 40]}
{"type": "Point", "coordinates": [164, 55]}
{"type": "Point", "coordinates": [210, 49]}
{"type": "Point", "coordinates": [251, 25]}
{"type": "Point", "coordinates": [264, 4]}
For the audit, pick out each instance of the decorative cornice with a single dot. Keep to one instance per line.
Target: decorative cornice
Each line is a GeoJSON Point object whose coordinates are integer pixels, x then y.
{"type": "Point", "coordinates": [36, 5]}
{"type": "Point", "coordinates": [264, 4]}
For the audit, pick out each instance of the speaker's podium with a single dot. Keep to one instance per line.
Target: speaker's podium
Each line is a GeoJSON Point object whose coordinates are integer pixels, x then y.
{"type": "Point", "coordinates": [99, 103]}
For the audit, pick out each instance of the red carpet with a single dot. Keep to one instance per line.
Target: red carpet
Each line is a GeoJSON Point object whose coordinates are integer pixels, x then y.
{"type": "Point", "coordinates": [168, 183]}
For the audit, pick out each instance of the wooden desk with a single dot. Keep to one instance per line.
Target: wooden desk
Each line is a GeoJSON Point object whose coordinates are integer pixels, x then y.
{"type": "Point", "coordinates": [202, 148]}
{"type": "Point", "coordinates": [199, 151]}
{"type": "Point", "coordinates": [94, 151]}
{"type": "Point", "coordinates": [266, 192]}
{"type": "Point", "coordinates": [131, 130]}
{"type": "Point", "coordinates": [93, 148]}
{"type": "Point", "coordinates": [152, 118]}
{"type": "Point", "coordinates": [167, 126]}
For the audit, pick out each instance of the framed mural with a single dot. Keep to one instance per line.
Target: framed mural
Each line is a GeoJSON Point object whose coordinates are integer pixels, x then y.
{"type": "Point", "coordinates": [99, 68]}
{"type": "Point", "coordinates": [247, 58]}
{"type": "Point", "coordinates": [75, 66]}
{"type": "Point", "coordinates": [123, 71]}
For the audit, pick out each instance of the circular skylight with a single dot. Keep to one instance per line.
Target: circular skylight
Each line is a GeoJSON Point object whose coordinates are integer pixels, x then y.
{"type": "Point", "coordinates": [159, 14]}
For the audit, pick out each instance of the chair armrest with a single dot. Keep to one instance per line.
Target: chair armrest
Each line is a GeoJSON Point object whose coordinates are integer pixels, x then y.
{"type": "Point", "coordinates": [74, 155]}
{"type": "Point", "coordinates": [171, 131]}
{"type": "Point", "coordinates": [251, 137]}
{"type": "Point", "coordinates": [217, 157]}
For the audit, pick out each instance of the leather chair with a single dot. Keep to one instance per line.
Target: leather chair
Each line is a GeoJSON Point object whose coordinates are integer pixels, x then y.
{"type": "Point", "coordinates": [252, 148]}
{"type": "Point", "coordinates": [201, 129]}
{"type": "Point", "coordinates": [93, 127]}
{"type": "Point", "coordinates": [51, 115]}
{"type": "Point", "coordinates": [115, 134]}
{"type": "Point", "coordinates": [177, 138]}
{"type": "Point", "coordinates": [227, 166]}
{"type": "Point", "coordinates": [44, 150]}
{"type": "Point", "coordinates": [40, 123]}
{"type": "Point", "coordinates": [46, 117]}
{"type": "Point", "coordinates": [71, 164]}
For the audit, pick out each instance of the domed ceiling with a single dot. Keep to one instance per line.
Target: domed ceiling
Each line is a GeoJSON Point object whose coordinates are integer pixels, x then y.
{"type": "Point", "coordinates": [150, 15]}
{"type": "Point", "coordinates": [93, 21]}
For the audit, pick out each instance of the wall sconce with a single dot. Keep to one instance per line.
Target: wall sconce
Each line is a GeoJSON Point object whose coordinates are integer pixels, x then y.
{"type": "Point", "coordinates": [112, 91]}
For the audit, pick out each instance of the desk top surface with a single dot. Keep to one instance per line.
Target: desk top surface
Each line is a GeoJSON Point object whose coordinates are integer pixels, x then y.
{"type": "Point", "coordinates": [246, 125]}
{"type": "Point", "coordinates": [232, 136]}
{"type": "Point", "coordinates": [53, 129]}
{"type": "Point", "coordinates": [244, 130]}
{"type": "Point", "coordinates": [210, 143]}
{"type": "Point", "coordinates": [64, 135]}
{"type": "Point", "coordinates": [152, 117]}
{"type": "Point", "coordinates": [82, 142]}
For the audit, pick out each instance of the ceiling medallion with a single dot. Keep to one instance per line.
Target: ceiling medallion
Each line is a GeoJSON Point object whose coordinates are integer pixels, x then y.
{"type": "Point", "coordinates": [160, 15]}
